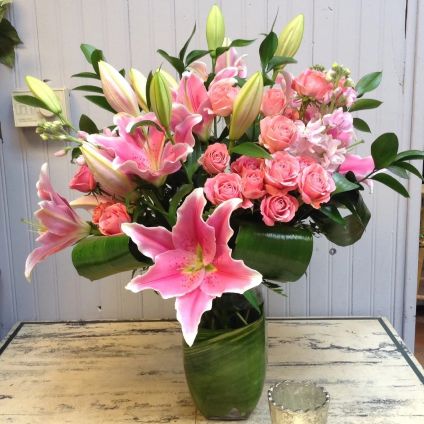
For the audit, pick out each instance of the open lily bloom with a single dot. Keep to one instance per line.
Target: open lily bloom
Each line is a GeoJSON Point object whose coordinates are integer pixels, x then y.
{"type": "Point", "coordinates": [145, 152]}
{"type": "Point", "coordinates": [193, 263]}
{"type": "Point", "coordinates": [60, 226]}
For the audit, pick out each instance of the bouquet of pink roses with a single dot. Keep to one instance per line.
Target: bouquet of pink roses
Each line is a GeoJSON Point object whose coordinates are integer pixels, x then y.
{"type": "Point", "coordinates": [217, 182]}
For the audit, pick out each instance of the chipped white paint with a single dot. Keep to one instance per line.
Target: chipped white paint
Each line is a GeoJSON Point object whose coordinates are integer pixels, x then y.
{"type": "Point", "coordinates": [120, 372]}
{"type": "Point", "coordinates": [367, 279]}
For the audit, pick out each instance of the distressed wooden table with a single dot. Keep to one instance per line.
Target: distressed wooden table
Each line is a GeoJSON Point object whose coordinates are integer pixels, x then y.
{"type": "Point", "coordinates": [127, 372]}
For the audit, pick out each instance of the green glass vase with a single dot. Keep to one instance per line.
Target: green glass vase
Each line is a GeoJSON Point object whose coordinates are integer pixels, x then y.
{"type": "Point", "coordinates": [225, 367]}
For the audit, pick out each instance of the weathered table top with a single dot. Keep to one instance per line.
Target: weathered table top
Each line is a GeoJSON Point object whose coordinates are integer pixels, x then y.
{"type": "Point", "coordinates": [126, 372]}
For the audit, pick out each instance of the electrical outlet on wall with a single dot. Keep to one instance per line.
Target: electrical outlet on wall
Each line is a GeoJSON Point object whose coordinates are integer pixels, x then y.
{"type": "Point", "coordinates": [28, 116]}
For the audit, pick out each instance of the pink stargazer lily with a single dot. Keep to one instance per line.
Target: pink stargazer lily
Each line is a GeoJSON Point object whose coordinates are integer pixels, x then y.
{"type": "Point", "coordinates": [60, 226]}
{"type": "Point", "coordinates": [145, 152]}
{"type": "Point", "coordinates": [193, 263]}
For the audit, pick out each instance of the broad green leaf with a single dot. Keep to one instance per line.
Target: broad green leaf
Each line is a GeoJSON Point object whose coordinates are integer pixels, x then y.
{"type": "Point", "coordinates": [195, 55]}
{"type": "Point", "coordinates": [277, 61]}
{"type": "Point", "coordinates": [368, 83]}
{"type": "Point", "coordinates": [86, 124]}
{"type": "Point", "coordinates": [384, 150]}
{"type": "Point", "coordinates": [362, 104]}
{"type": "Point", "coordinates": [279, 253]}
{"type": "Point", "coordinates": [354, 224]}
{"type": "Point", "coordinates": [392, 183]}
{"type": "Point", "coordinates": [87, 49]}
{"type": "Point", "coordinates": [410, 155]}
{"type": "Point", "coordinates": [410, 168]}
{"type": "Point", "coordinates": [361, 125]}
{"type": "Point", "coordinates": [192, 162]}
{"type": "Point", "coordinates": [184, 49]}
{"type": "Point", "coordinates": [251, 149]}
{"type": "Point", "coordinates": [333, 213]}
{"type": "Point", "coordinates": [343, 184]}
{"type": "Point", "coordinates": [251, 297]}
{"type": "Point", "coordinates": [101, 102]}
{"type": "Point", "coordinates": [98, 256]}
{"type": "Point", "coordinates": [241, 43]}
{"type": "Point", "coordinates": [274, 287]}
{"type": "Point", "coordinates": [9, 39]}
{"type": "Point", "coordinates": [86, 75]}
{"type": "Point", "coordinates": [267, 48]}
{"type": "Point", "coordinates": [30, 101]}
{"type": "Point", "coordinates": [89, 88]}
{"type": "Point", "coordinates": [96, 57]}
{"type": "Point", "coordinates": [174, 61]}
{"type": "Point", "coordinates": [399, 171]}
{"type": "Point", "coordinates": [182, 191]}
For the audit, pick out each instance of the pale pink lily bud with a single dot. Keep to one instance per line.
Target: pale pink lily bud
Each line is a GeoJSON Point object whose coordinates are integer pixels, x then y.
{"type": "Point", "coordinates": [117, 90]}
{"type": "Point", "coordinates": [360, 166]}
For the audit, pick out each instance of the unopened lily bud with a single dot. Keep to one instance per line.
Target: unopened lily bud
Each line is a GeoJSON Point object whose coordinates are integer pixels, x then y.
{"type": "Point", "coordinates": [112, 181]}
{"type": "Point", "coordinates": [170, 80]}
{"type": "Point", "coordinates": [247, 105]}
{"type": "Point", "coordinates": [215, 28]}
{"type": "Point", "coordinates": [138, 82]}
{"type": "Point", "coordinates": [117, 90]}
{"type": "Point", "coordinates": [291, 37]}
{"type": "Point", "coordinates": [160, 98]}
{"type": "Point", "coordinates": [44, 93]}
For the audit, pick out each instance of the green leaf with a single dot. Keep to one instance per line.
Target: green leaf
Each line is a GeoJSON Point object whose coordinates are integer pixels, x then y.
{"type": "Point", "coordinates": [174, 61]}
{"type": "Point", "coordinates": [368, 83]}
{"type": "Point", "coordinates": [86, 75]}
{"type": "Point", "coordinates": [354, 224]}
{"type": "Point", "coordinates": [391, 182]}
{"type": "Point", "coordinates": [251, 297]}
{"type": "Point", "coordinates": [30, 101]}
{"type": "Point", "coordinates": [101, 102]}
{"type": "Point", "coordinates": [182, 192]}
{"type": "Point", "coordinates": [267, 48]}
{"type": "Point", "coordinates": [399, 171]}
{"type": "Point", "coordinates": [361, 125]}
{"type": "Point", "coordinates": [184, 49]}
{"type": "Point", "coordinates": [410, 168]}
{"type": "Point", "coordinates": [384, 150]}
{"type": "Point", "coordinates": [148, 83]}
{"type": "Point", "coordinates": [96, 57]}
{"type": "Point", "coordinates": [410, 155]}
{"type": "Point", "coordinates": [195, 55]}
{"type": "Point", "coordinates": [278, 61]}
{"type": "Point", "coordinates": [241, 43]}
{"type": "Point", "coordinates": [362, 104]}
{"type": "Point", "coordinates": [75, 153]}
{"type": "Point", "coordinates": [90, 88]}
{"type": "Point", "coordinates": [9, 39]}
{"type": "Point", "coordinates": [87, 49]}
{"type": "Point", "coordinates": [279, 253]}
{"type": "Point", "coordinates": [251, 149]}
{"type": "Point", "coordinates": [145, 123]}
{"type": "Point", "coordinates": [343, 184]}
{"type": "Point", "coordinates": [274, 287]}
{"type": "Point", "coordinates": [333, 213]}
{"type": "Point", "coordinates": [86, 124]}
{"type": "Point", "coordinates": [192, 163]}
{"type": "Point", "coordinates": [98, 256]}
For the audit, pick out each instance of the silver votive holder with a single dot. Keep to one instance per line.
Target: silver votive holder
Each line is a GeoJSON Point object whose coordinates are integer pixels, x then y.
{"type": "Point", "coordinates": [298, 402]}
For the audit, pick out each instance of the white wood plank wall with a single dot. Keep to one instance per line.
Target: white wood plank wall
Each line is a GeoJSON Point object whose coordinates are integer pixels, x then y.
{"type": "Point", "coordinates": [366, 35]}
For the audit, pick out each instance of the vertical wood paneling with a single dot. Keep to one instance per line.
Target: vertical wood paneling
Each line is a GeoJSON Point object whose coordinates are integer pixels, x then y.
{"type": "Point", "coordinates": [365, 35]}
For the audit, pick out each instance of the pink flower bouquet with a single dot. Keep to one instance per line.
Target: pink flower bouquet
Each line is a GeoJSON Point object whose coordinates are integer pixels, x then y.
{"type": "Point", "coordinates": [215, 182]}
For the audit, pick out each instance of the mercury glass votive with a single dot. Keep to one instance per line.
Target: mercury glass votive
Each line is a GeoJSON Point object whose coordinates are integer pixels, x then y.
{"type": "Point", "coordinates": [293, 402]}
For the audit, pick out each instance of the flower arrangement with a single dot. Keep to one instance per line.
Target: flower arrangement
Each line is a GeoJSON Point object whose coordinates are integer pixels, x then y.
{"type": "Point", "coordinates": [216, 182]}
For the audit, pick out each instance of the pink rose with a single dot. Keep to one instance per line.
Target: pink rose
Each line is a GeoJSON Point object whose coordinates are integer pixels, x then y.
{"type": "Point", "coordinates": [252, 184]}
{"type": "Point", "coordinates": [83, 180]}
{"type": "Point", "coordinates": [312, 83]}
{"type": "Point", "coordinates": [277, 133]}
{"type": "Point", "coordinates": [278, 208]}
{"type": "Point", "coordinates": [281, 173]}
{"type": "Point", "coordinates": [246, 163]}
{"type": "Point", "coordinates": [360, 166]}
{"type": "Point", "coordinates": [223, 187]}
{"type": "Point", "coordinates": [273, 102]}
{"type": "Point", "coordinates": [215, 159]}
{"type": "Point", "coordinates": [222, 95]}
{"type": "Point", "coordinates": [315, 185]}
{"type": "Point", "coordinates": [109, 217]}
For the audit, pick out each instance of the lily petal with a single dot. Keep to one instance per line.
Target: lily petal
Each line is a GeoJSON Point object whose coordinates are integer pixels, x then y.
{"type": "Point", "coordinates": [151, 241]}
{"type": "Point", "coordinates": [167, 275]}
{"type": "Point", "coordinates": [190, 308]}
